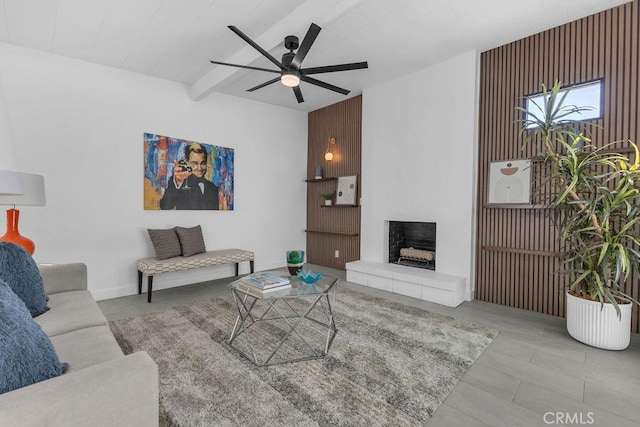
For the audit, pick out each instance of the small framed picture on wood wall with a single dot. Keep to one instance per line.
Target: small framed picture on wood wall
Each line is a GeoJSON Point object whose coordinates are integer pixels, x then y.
{"type": "Point", "coordinates": [509, 182]}
{"type": "Point", "coordinates": [347, 190]}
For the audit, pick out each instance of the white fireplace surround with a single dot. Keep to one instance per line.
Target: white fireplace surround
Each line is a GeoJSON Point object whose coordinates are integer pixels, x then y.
{"type": "Point", "coordinates": [420, 283]}
{"type": "Point", "coordinates": [419, 148]}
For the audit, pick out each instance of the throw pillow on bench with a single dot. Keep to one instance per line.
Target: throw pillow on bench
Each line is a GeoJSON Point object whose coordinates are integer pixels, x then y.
{"type": "Point", "coordinates": [177, 241]}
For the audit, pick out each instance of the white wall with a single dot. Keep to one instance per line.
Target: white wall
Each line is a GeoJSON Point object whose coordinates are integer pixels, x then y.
{"type": "Point", "coordinates": [81, 125]}
{"type": "Point", "coordinates": [7, 153]}
{"type": "Point", "coordinates": [418, 160]}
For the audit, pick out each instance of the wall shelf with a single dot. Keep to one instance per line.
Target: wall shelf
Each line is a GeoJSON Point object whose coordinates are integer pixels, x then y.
{"type": "Point", "coordinates": [321, 179]}
{"type": "Point", "coordinates": [339, 206]}
{"type": "Point", "coordinates": [522, 251]}
{"type": "Point", "coordinates": [336, 233]}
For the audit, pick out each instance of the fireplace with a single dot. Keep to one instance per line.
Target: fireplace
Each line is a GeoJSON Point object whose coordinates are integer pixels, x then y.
{"type": "Point", "coordinates": [412, 243]}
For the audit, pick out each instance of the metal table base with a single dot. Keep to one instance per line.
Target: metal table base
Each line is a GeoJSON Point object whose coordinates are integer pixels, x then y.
{"type": "Point", "coordinates": [286, 309]}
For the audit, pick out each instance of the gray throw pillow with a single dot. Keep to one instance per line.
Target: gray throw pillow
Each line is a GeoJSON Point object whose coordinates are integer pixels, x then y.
{"type": "Point", "coordinates": [165, 243]}
{"type": "Point", "coordinates": [191, 240]}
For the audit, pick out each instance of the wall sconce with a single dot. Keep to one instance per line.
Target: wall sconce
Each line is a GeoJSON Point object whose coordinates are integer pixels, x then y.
{"type": "Point", "coordinates": [328, 155]}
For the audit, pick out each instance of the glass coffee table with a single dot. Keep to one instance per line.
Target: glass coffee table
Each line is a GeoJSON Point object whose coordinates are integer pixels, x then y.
{"type": "Point", "coordinates": [288, 325]}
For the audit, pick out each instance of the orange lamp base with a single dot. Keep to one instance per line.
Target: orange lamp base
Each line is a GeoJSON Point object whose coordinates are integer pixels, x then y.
{"type": "Point", "coordinates": [13, 235]}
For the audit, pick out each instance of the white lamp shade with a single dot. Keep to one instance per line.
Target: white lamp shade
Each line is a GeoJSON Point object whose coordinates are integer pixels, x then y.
{"type": "Point", "coordinates": [31, 189]}
{"type": "Point", "coordinates": [10, 183]}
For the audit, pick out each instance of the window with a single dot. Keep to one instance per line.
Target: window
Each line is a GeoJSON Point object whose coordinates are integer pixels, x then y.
{"type": "Point", "coordinates": [583, 95]}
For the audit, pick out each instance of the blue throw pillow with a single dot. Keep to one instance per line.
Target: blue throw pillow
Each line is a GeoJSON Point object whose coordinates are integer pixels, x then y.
{"type": "Point", "coordinates": [20, 272]}
{"type": "Point", "coordinates": [26, 353]}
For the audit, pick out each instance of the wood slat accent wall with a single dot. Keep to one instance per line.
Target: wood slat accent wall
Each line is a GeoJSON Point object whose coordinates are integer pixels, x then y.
{"type": "Point", "coordinates": [344, 122]}
{"type": "Point", "coordinates": [518, 254]}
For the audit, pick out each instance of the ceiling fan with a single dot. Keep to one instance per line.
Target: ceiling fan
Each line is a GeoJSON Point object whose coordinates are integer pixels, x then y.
{"type": "Point", "coordinates": [289, 68]}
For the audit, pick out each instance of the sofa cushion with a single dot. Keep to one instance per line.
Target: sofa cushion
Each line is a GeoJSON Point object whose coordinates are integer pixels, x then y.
{"type": "Point", "coordinates": [191, 240]}
{"type": "Point", "coordinates": [86, 347]}
{"type": "Point", "coordinates": [119, 392]}
{"type": "Point", "coordinates": [26, 353]}
{"type": "Point", "coordinates": [71, 311]}
{"type": "Point", "coordinates": [165, 243]}
{"type": "Point", "coordinates": [21, 273]}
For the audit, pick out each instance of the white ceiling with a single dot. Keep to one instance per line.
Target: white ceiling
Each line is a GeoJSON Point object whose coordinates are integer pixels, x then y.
{"type": "Point", "coordinates": [174, 39]}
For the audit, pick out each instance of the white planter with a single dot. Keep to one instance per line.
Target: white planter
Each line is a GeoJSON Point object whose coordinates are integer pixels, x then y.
{"type": "Point", "coordinates": [598, 327]}
{"type": "Point", "coordinates": [328, 202]}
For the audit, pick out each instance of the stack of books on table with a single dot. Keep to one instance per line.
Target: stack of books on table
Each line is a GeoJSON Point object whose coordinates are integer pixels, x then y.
{"type": "Point", "coordinates": [265, 282]}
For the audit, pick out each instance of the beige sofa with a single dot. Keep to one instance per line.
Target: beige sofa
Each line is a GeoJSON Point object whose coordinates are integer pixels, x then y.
{"type": "Point", "coordinates": [102, 386]}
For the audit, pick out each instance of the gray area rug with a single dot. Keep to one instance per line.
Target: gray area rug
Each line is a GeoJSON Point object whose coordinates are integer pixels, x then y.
{"type": "Point", "coordinates": [389, 364]}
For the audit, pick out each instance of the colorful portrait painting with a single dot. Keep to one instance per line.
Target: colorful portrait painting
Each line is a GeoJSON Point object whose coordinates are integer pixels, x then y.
{"type": "Point", "coordinates": [186, 175]}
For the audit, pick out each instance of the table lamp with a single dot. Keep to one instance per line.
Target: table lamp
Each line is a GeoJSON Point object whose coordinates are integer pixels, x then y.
{"type": "Point", "coordinates": [17, 188]}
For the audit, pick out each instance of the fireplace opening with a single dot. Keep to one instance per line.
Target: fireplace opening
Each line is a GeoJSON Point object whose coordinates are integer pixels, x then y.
{"type": "Point", "coordinates": [413, 244]}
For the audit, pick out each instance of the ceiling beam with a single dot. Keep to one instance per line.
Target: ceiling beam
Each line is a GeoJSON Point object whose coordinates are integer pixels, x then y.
{"type": "Point", "coordinates": [310, 11]}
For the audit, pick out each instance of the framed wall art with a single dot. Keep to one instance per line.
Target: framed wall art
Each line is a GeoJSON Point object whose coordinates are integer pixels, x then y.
{"type": "Point", "coordinates": [346, 190]}
{"type": "Point", "coordinates": [186, 175]}
{"type": "Point", "coordinates": [510, 182]}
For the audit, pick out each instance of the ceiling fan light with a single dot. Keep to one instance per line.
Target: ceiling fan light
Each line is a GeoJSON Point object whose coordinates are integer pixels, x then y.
{"type": "Point", "coordinates": [290, 80]}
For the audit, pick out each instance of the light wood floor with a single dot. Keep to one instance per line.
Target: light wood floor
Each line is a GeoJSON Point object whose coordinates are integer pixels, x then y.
{"type": "Point", "coordinates": [533, 374]}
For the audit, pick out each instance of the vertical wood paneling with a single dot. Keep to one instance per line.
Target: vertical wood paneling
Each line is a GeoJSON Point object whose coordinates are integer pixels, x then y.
{"type": "Point", "coordinates": [342, 121]}
{"type": "Point", "coordinates": [516, 265]}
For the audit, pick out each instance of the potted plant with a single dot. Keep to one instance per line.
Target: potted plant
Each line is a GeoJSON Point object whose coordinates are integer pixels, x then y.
{"type": "Point", "coordinates": [328, 198]}
{"type": "Point", "coordinates": [295, 261]}
{"type": "Point", "coordinates": [593, 196]}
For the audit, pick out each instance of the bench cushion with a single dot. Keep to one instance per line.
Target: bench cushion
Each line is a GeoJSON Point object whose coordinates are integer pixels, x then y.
{"type": "Point", "coordinates": [151, 266]}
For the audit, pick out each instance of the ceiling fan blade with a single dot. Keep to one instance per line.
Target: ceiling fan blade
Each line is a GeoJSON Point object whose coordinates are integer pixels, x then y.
{"type": "Point", "coordinates": [298, 92]}
{"type": "Point", "coordinates": [309, 38]}
{"type": "Point", "coordinates": [260, 86]}
{"type": "Point", "coordinates": [324, 85]}
{"type": "Point", "coordinates": [333, 68]}
{"type": "Point", "coordinates": [245, 66]}
{"type": "Point", "coordinates": [253, 44]}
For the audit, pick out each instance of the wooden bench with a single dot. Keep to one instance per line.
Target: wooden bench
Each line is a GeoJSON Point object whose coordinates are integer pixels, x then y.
{"type": "Point", "coordinates": [152, 266]}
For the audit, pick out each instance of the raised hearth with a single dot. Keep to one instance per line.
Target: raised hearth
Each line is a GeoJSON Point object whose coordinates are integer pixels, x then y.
{"type": "Point", "coordinates": [418, 283]}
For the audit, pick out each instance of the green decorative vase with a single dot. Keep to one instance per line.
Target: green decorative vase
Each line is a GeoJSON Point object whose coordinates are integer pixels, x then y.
{"type": "Point", "coordinates": [295, 261]}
